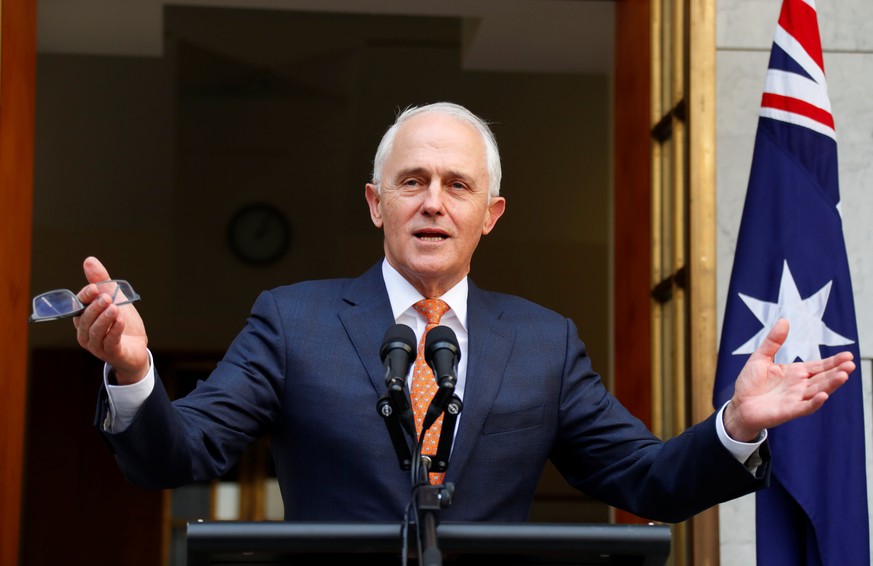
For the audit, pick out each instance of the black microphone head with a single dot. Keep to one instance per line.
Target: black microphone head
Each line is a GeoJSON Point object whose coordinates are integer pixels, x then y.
{"type": "Point", "coordinates": [398, 336]}
{"type": "Point", "coordinates": [439, 338]}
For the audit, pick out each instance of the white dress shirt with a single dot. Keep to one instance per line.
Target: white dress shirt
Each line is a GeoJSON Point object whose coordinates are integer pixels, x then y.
{"type": "Point", "coordinates": [403, 296]}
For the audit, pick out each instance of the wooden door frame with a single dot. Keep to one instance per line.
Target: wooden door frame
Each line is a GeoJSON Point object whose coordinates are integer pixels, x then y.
{"type": "Point", "coordinates": [633, 337]}
{"type": "Point", "coordinates": [17, 102]}
{"type": "Point", "coordinates": [632, 213]}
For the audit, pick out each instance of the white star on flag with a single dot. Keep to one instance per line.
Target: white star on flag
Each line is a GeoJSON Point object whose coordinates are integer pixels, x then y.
{"type": "Point", "coordinates": [806, 329]}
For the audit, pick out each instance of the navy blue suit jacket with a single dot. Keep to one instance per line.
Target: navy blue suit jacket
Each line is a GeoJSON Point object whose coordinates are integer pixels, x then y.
{"type": "Point", "coordinates": [306, 371]}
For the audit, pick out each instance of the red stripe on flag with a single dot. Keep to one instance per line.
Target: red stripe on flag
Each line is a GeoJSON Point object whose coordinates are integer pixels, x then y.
{"type": "Point", "coordinates": [799, 19]}
{"type": "Point", "coordinates": [797, 106]}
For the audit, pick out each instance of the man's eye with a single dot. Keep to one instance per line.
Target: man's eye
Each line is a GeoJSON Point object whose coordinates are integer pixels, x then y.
{"type": "Point", "coordinates": [411, 182]}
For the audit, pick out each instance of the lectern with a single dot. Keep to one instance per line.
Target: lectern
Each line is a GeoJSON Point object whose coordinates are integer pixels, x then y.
{"type": "Point", "coordinates": [480, 544]}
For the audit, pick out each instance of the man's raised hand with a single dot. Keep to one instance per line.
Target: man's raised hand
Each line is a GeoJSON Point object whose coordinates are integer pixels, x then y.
{"type": "Point", "coordinates": [113, 333]}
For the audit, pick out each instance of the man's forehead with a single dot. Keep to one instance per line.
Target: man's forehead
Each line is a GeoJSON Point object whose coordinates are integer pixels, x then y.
{"type": "Point", "coordinates": [433, 125]}
{"type": "Point", "coordinates": [434, 134]}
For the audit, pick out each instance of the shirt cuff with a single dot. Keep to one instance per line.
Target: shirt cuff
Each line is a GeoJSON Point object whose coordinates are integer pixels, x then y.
{"type": "Point", "coordinates": [125, 400]}
{"type": "Point", "coordinates": [745, 452]}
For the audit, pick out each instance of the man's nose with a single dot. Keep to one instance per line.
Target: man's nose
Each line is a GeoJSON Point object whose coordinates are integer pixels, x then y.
{"type": "Point", "coordinates": [433, 196]}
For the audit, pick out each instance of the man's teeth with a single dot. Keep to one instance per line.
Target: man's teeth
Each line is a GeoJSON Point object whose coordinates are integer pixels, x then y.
{"type": "Point", "coordinates": [431, 237]}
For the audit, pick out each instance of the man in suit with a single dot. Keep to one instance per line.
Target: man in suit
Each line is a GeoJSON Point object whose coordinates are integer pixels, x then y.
{"type": "Point", "coordinates": [306, 370]}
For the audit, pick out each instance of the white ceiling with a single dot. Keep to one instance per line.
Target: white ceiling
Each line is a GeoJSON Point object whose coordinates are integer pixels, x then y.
{"type": "Point", "coordinates": [562, 36]}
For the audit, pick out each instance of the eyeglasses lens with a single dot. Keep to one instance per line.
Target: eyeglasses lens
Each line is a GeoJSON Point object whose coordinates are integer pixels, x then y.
{"type": "Point", "coordinates": [119, 291]}
{"type": "Point", "coordinates": [55, 303]}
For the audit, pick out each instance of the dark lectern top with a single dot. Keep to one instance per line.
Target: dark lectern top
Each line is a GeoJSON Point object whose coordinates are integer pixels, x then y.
{"type": "Point", "coordinates": [461, 543]}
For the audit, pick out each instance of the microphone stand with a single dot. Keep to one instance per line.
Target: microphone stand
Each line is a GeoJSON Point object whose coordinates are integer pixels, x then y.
{"type": "Point", "coordinates": [430, 499]}
{"type": "Point", "coordinates": [442, 353]}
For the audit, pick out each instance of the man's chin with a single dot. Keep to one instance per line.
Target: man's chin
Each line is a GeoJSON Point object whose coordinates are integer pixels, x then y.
{"type": "Point", "coordinates": [435, 276]}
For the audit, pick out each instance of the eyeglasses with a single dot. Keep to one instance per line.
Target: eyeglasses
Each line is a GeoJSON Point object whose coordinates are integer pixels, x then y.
{"type": "Point", "coordinates": [63, 303]}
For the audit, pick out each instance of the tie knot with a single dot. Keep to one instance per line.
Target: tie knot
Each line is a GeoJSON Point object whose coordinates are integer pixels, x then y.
{"type": "Point", "coordinates": [431, 309]}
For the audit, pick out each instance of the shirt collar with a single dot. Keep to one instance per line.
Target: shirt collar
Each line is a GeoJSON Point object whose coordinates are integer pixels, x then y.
{"type": "Point", "coordinates": [403, 295]}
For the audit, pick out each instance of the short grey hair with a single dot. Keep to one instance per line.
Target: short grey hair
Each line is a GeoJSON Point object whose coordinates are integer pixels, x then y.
{"type": "Point", "coordinates": [492, 154]}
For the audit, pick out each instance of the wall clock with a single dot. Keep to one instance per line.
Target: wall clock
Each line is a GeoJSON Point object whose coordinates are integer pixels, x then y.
{"type": "Point", "coordinates": [258, 233]}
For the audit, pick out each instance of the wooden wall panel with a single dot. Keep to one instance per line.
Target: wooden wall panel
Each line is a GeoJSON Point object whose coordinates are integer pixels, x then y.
{"type": "Point", "coordinates": [17, 90]}
{"type": "Point", "coordinates": [75, 495]}
{"type": "Point", "coordinates": [632, 213]}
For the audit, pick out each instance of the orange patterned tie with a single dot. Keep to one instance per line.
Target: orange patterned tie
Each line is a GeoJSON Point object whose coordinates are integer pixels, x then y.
{"type": "Point", "coordinates": [424, 386]}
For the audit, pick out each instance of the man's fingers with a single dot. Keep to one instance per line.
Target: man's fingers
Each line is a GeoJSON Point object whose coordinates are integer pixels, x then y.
{"type": "Point", "coordinates": [829, 381]}
{"type": "Point", "coordinates": [112, 337]}
{"type": "Point", "coordinates": [94, 323]}
{"type": "Point", "coordinates": [815, 403]}
{"type": "Point", "coordinates": [843, 360]}
{"type": "Point", "coordinates": [96, 304]}
{"type": "Point", "coordinates": [774, 340]}
{"type": "Point", "coordinates": [95, 272]}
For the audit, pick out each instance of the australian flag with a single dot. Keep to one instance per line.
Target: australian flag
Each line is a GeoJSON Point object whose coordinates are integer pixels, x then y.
{"type": "Point", "coordinates": [791, 263]}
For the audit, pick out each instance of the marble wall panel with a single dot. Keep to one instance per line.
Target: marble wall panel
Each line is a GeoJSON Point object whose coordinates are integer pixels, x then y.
{"type": "Point", "coordinates": [750, 24]}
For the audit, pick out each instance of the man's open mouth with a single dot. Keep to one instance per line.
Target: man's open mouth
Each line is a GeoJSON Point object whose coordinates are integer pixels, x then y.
{"type": "Point", "coordinates": [427, 236]}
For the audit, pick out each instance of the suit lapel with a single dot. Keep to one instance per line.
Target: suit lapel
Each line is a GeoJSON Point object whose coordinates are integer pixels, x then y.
{"type": "Point", "coordinates": [490, 342]}
{"type": "Point", "coordinates": [366, 319]}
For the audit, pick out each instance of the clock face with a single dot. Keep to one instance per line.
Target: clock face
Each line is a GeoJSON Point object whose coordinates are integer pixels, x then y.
{"type": "Point", "coordinates": [259, 234]}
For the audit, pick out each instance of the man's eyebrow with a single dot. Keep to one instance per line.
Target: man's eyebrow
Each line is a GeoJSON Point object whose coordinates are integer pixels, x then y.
{"type": "Point", "coordinates": [413, 171]}
{"type": "Point", "coordinates": [423, 172]}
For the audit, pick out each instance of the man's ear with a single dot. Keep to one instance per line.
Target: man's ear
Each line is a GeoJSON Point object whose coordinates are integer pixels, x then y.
{"type": "Point", "coordinates": [496, 208]}
{"type": "Point", "coordinates": [374, 200]}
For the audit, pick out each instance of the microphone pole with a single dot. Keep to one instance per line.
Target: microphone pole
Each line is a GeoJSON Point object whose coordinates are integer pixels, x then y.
{"type": "Point", "coordinates": [442, 353]}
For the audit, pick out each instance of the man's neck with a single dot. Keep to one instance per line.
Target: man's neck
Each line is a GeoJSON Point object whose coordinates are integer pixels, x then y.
{"type": "Point", "coordinates": [403, 294]}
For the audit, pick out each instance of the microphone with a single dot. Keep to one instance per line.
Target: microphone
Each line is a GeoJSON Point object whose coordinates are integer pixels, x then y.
{"type": "Point", "coordinates": [442, 353]}
{"type": "Point", "coordinates": [398, 353]}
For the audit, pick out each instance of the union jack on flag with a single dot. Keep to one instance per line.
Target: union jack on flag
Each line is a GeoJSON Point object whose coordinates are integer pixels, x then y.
{"type": "Point", "coordinates": [796, 90]}
{"type": "Point", "coordinates": [791, 262]}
